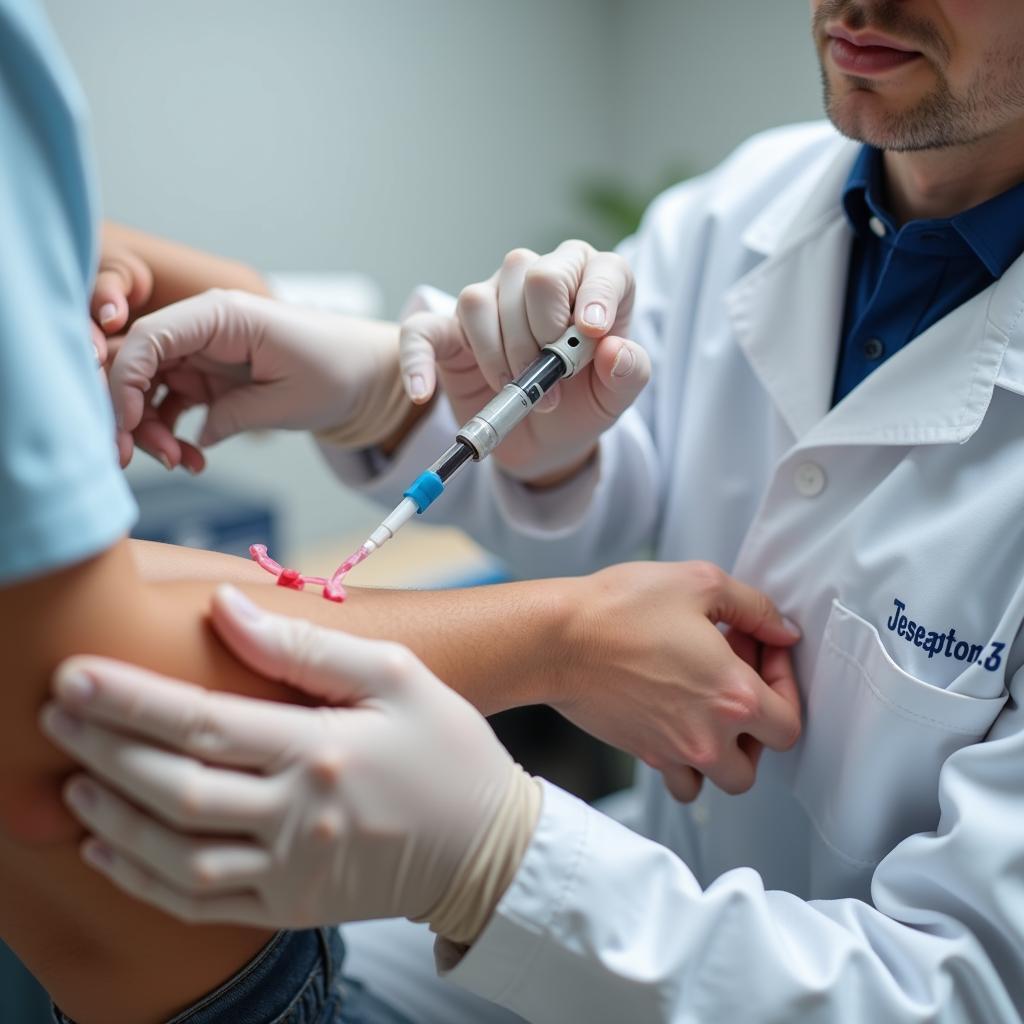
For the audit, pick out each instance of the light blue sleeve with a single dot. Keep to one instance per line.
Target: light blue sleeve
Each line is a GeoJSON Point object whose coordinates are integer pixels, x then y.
{"type": "Point", "coordinates": [62, 495]}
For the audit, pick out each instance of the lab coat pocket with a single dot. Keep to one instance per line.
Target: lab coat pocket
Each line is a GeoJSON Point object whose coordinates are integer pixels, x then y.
{"type": "Point", "coordinates": [875, 738]}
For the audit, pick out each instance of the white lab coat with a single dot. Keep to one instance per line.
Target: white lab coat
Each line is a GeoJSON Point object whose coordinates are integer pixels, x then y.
{"type": "Point", "coordinates": [876, 871]}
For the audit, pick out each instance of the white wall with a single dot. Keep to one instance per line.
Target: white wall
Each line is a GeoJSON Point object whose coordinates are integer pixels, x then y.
{"type": "Point", "coordinates": [699, 76]}
{"type": "Point", "coordinates": [403, 138]}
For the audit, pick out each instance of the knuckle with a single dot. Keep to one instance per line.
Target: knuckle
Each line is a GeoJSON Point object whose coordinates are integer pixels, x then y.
{"type": "Point", "coordinates": [738, 701]}
{"type": "Point", "coordinates": [202, 873]}
{"type": "Point", "coordinates": [326, 766]}
{"type": "Point", "coordinates": [475, 298]}
{"type": "Point", "coordinates": [398, 663]}
{"type": "Point", "coordinates": [189, 802]}
{"type": "Point", "coordinates": [518, 258]}
{"type": "Point", "coordinates": [545, 279]}
{"type": "Point", "coordinates": [575, 246]}
{"type": "Point", "coordinates": [703, 753]}
{"type": "Point", "coordinates": [203, 734]}
{"type": "Point", "coordinates": [706, 576]}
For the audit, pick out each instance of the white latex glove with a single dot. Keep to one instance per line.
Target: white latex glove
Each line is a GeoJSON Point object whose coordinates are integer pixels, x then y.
{"type": "Point", "coordinates": [267, 814]}
{"type": "Point", "coordinates": [256, 363]}
{"type": "Point", "coordinates": [500, 327]}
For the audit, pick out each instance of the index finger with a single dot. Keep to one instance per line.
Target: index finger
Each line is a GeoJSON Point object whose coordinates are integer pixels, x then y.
{"type": "Point", "coordinates": [218, 728]}
{"type": "Point", "coordinates": [174, 332]}
{"type": "Point", "coordinates": [426, 339]}
{"type": "Point", "coordinates": [604, 299]}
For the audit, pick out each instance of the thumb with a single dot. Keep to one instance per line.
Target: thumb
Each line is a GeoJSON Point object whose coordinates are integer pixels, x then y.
{"type": "Point", "coordinates": [621, 370]}
{"type": "Point", "coordinates": [329, 665]}
{"type": "Point", "coordinates": [109, 304]}
{"type": "Point", "coordinates": [425, 340]}
{"type": "Point", "coordinates": [124, 283]}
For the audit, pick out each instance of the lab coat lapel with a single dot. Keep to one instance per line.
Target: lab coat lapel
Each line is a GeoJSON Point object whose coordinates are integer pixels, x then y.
{"type": "Point", "coordinates": [786, 313]}
{"type": "Point", "coordinates": [935, 390]}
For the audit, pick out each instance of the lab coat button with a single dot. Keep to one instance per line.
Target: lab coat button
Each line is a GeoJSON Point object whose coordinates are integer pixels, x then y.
{"type": "Point", "coordinates": [877, 226]}
{"type": "Point", "coordinates": [809, 479]}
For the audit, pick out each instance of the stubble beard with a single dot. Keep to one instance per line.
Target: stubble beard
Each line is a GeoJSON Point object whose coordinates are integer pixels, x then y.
{"type": "Point", "coordinates": [940, 119]}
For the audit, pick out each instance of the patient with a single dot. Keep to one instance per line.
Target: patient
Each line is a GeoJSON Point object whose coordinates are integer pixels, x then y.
{"type": "Point", "coordinates": [69, 581]}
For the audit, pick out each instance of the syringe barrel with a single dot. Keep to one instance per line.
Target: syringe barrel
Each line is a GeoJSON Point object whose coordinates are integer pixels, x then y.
{"type": "Point", "coordinates": [560, 360]}
{"type": "Point", "coordinates": [496, 420]}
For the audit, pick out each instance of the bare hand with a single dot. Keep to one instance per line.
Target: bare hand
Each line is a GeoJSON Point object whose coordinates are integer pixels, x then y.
{"type": "Point", "coordinates": [653, 675]}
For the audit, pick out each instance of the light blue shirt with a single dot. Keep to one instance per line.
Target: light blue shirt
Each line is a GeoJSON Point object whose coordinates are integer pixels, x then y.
{"type": "Point", "coordinates": [62, 495]}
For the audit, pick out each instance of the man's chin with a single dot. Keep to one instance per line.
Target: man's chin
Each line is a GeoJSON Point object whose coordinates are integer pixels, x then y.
{"type": "Point", "coordinates": [864, 116]}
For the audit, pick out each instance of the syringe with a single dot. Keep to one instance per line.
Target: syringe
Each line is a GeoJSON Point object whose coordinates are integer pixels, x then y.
{"type": "Point", "coordinates": [478, 437]}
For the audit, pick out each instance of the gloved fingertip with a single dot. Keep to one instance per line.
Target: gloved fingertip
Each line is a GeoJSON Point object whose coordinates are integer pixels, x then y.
{"type": "Point", "coordinates": [239, 606]}
{"type": "Point", "coordinates": [595, 316]}
{"type": "Point", "coordinates": [417, 388]}
{"type": "Point", "coordinates": [625, 362]}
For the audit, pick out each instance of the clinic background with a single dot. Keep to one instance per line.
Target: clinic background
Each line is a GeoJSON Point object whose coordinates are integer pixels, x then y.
{"type": "Point", "coordinates": [409, 141]}
{"type": "Point", "coordinates": [384, 144]}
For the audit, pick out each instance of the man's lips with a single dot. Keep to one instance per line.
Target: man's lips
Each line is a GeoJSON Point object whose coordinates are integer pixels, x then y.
{"type": "Point", "coordinates": [867, 53]}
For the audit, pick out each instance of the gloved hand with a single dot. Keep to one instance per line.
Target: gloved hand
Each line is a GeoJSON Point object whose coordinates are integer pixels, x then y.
{"type": "Point", "coordinates": [500, 327]}
{"type": "Point", "coordinates": [397, 801]}
{"type": "Point", "coordinates": [256, 363]}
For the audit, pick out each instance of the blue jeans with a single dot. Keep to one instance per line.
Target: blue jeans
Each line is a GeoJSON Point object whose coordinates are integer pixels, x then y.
{"type": "Point", "coordinates": [295, 979]}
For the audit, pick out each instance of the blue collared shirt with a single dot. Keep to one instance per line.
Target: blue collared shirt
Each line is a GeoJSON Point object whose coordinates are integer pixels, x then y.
{"type": "Point", "coordinates": [904, 279]}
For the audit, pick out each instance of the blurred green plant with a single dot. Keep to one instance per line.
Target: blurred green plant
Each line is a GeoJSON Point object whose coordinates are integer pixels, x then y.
{"type": "Point", "coordinates": [610, 209]}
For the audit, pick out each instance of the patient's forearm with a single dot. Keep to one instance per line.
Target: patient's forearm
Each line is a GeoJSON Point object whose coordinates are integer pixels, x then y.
{"type": "Point", "coordinates": [166, 563]}
{"type": "Point", "coordinates": [499, 646]}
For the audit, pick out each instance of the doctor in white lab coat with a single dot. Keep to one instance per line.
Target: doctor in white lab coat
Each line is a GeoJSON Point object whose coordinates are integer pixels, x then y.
{"type": "Point", "coordinates": [876, 871]}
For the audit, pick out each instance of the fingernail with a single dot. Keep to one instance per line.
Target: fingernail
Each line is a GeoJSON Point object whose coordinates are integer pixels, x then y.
{"type": "Point", "coordinates": [74, 687]}
{"type": "Point", "coordinates": [792, 627]}
{"type": "Point", "coordinates": [97, 356]}
{"type": "Point", "coordinates": [108, 312]}
{"type": "Point", "coordinates": [595, 315]}
{"type": "Point", "coordinates": [240, 604]}
{"type": "Point", "coordinates": [61, 724]}
{"type": "Point", "coordinates": [165, 459]}
{"type": "Point", "coordinates": [624, 362]}
{"type": "Point", "coordinates": [98, 854]}
{"type": "Point", "coordinates": [80, 794]}
{"type": "Point", "coordinates": [417, 386]}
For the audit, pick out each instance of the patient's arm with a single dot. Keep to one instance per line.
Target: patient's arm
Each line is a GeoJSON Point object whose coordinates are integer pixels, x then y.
{"type": "Point", "coordinates": [176, 271]}
{"type": "Point", "coordinates": [105, 959]}
{"type": "Point", "coordinates": [515, 631]}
